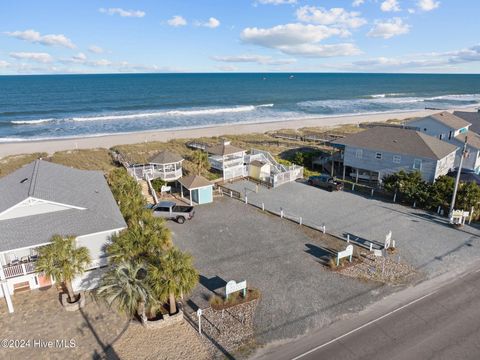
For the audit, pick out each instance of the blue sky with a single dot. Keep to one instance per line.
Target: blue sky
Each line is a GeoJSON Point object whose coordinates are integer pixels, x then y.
{"type": "Point", "coordinates": [109, 36]}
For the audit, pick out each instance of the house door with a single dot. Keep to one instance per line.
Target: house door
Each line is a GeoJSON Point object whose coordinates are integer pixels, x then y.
{"type": "Point", "coordinates": [44, 281]}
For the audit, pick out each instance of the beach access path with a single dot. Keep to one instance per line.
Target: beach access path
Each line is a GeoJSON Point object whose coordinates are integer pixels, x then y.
{"type": "Point", "coordinates": [52, 145]}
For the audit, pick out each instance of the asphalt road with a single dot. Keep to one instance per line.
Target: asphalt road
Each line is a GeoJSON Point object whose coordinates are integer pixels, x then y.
{"type": "Point", "coordinates": [440, 324]}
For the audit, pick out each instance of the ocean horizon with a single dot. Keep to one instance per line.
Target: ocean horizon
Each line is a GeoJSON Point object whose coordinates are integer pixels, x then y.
{"type": "Point", "coordinates": [41, 107]}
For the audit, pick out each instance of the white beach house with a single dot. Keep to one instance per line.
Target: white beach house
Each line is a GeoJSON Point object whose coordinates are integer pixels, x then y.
{"type": "Point", "coordinates": [43, 199]}
{"type": "Point", "coordinates": [228, 159]}
{"type": "Point", "coordinates": [165, 165]}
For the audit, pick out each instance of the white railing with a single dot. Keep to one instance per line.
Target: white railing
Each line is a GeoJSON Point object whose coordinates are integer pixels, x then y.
{"type": "Point", "coordinates": [143, 171]}
{"type": "Point", "coordinates": [220, 164]}
{"type": "Point", "coordinates": [291, 175]}
{"type": "Point", "coordinates": [19, 269]}
{"type": "Point", "coordinates": [268, 158]}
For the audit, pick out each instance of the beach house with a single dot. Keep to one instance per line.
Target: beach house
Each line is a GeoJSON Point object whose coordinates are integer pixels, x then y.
{"type": "Point", "coordinates": [228, 159]}
{"type": "Point", "coordinates": [43, 199]}
{"type": "Point", "coordinates": [454, 130]}
{"type": "Point", "coordinates": [380, 151]}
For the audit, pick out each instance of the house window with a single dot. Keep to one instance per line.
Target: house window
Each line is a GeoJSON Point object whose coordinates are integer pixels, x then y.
{"type": "Point", "coordinates": [441, 137]}
{"type": "Point", "coordinates": [397, 159]}
{"type": "Point", "coordinates": [417, 164]}
{"type": "Point", "coordinates": [378, 156]}
{"type": "Point", "coordinates": [359, 154]}
{"type": "Point", "coordinates": [450, 135]}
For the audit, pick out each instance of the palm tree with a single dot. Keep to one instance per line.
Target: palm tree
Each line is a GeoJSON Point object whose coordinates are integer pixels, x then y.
{"type": "Point", "coordinates": [141, 241]}
{"type": "Point", "coordinates": [63, 260]}
{"type": "Point", "coordinates": [172, 276]}
{"type": "Point", "coordinates": [200, 162]}
{"type": "Point", "coordinates": [125, 286]}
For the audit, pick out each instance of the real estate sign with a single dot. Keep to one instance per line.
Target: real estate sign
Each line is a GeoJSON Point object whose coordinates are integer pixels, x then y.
{"type": "Point", "coordinates": [233, 286]}
{"type": "Point", "coordinates": [348, 252]}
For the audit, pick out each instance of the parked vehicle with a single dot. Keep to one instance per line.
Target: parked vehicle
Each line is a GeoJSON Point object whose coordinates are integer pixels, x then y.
{"type": "Point", "coordinates": [171, 211]}
{"type": "Point", "coordinates": [325, 182]}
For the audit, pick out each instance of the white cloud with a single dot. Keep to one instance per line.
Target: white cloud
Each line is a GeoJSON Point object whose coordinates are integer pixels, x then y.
{"type": "Point", "coordinates": [335, 17]}
{"type": "Point", "coordinates": [48, 40]}
{"type": "Point", "coordinates": [4, 64]}
{"type": "Point", "coordinates": [300, 39]}
{"type": "Point", "coordinates": [289, 34]}
{"type": "Point", "coordinates": [390, 5]}
{"type": "Point", "coordinates": [95, 49]}
{"type": "Point", "coordinates": [277, 2]}
{"type": "Point", "coordinates": [80, 57]}
{"type": "Point", "coordinates": [319, 50]}
{"type": "Point", "coordinates": [40, 57]}
{"type": "Point", "coordinates": [428, 5]}
{"type": "Point", "coordinates": [212, 23]}
{"type": "Point", "coordinates": [357, 3]}
{"type": "Point", "coordinates": [411, 11]}
{"type": "Point", "coordinates": [259, 59]}
{"type": "Point", "coordinates": [176, 21]}
{"type": "Point", "coordinates": [227, 68]}
{"type": "Point", "coordinates": [122, 12]}
{"type": "Point", "coordinates": [389, 28]}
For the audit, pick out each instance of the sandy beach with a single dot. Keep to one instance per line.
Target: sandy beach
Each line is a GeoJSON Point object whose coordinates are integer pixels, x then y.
{"type": "Point", "coordinates": [51, 146]}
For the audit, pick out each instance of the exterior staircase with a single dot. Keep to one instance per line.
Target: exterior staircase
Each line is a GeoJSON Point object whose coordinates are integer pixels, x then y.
{"type": "Point", "coordinates": [146, 191]}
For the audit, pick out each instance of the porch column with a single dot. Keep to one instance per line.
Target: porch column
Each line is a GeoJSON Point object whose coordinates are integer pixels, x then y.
{"type": "Point", "coordinates": [356, 175]}
{"type": "Point", "coordinates": [191, 202]}
{"type": "Point", "coordinates": [5, 290]}
{"type": "Point", "coordinates": [343, 172]}
{"type": "Point", "coordinates": [181, 190]}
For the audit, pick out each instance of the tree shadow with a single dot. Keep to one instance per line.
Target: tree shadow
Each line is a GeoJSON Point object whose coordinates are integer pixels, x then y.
{"type": "Point", "coordinates": [321, 253]}
{"type": "Point", "coordinates": [213, 284]}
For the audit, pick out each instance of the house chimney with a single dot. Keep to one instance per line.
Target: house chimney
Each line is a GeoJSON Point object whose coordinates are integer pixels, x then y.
{"type": "Point", "coordinates": [226, 142]}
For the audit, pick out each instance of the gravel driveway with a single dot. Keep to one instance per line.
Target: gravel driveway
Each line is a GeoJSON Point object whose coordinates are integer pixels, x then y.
{"type": "Point", "coordinates": [427, 241]}
{"type": "Point", "coordinates": [230, 240]}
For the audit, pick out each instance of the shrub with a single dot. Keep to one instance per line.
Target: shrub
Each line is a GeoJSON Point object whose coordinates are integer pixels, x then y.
{"type": "Point", "coordinates": [219, 303]}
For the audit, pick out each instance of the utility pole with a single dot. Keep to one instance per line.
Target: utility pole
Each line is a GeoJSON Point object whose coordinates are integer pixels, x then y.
{"type": "Point", "coordinates": [457, 181]}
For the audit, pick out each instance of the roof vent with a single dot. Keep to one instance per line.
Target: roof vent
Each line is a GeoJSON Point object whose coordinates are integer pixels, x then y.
{"type": "Point", "coordinates": [23, 180]}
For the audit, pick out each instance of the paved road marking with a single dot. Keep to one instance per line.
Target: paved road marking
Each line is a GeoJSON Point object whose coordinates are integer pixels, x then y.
{"type": "Point", "coordinates": [363, 326]}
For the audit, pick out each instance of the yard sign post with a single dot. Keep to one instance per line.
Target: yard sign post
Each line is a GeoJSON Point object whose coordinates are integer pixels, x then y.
{"type": "Point", "coordinates": [199, 314]}
{"type": "Point", "coordinates": [348, 252]}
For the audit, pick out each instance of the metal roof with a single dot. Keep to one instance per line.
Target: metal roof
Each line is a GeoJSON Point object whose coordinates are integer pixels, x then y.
{"type": "Point", "coordinates": [399, 141]}
{"type": "Point", "coordinates": [60, 184]}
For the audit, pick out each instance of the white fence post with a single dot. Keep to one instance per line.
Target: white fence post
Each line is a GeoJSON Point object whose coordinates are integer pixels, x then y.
{"type": "Point", "coordinates": [246, 199]}
{"type": "Point", "coordinates": [371, 195]}
{"type": "Point", "coordinates": [348, 238]}
{"type": "Point", "coordinates": [231, 193]}
{"type": "Point", "coordinates": [300, 221]}
{"type": "Point", "coordinates": [395, 196]}
{"type": "Point", "coordinates": [323, 228]}
{"type": "Point", "coordinates": [371, 246]}
{"type": "Point", "coordinates": [281, 213]}
{"type": "Point", "coordinates": [263, 206]}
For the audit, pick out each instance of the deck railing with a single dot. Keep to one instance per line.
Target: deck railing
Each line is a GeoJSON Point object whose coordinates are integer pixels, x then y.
{"type": "Point", "coordinates": [11, 271]}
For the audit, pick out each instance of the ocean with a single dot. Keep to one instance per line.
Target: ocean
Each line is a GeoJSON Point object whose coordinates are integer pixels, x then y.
{"type": "Point", "coordinates": [65, 106]}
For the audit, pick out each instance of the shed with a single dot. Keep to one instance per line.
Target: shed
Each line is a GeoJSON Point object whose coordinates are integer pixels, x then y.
{"type": "Point", "coordinates": [200, 189]}
{"type": "Point", "coordinates": [259, 170]}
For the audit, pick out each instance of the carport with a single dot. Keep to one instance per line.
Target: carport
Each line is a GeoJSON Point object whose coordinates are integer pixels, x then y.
{"type": "Point", "coordinates": [200, 190]}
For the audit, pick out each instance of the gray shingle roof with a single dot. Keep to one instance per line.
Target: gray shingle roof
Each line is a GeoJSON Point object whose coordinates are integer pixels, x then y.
{"type": "Point", "coordinates": [194, 182]}
{"type": "Point", "coordinates": [473, 117]}
{"type": "Point", "coordinates": [223, 149]}
{"type": "Point", "coordinates": [165, 157]}
{"type": "Point", "coordinates": [399, 141]}
{"type": "Point", "coordinates": [448, 119]}
{"type": "Point", "coordinates": [60, 184]}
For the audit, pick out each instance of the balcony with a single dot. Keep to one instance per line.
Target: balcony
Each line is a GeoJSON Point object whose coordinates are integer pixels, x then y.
{"type": "Point", "coordinates": [20, 269]}
{"type": "Point", "coordinates": [219, 163]}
